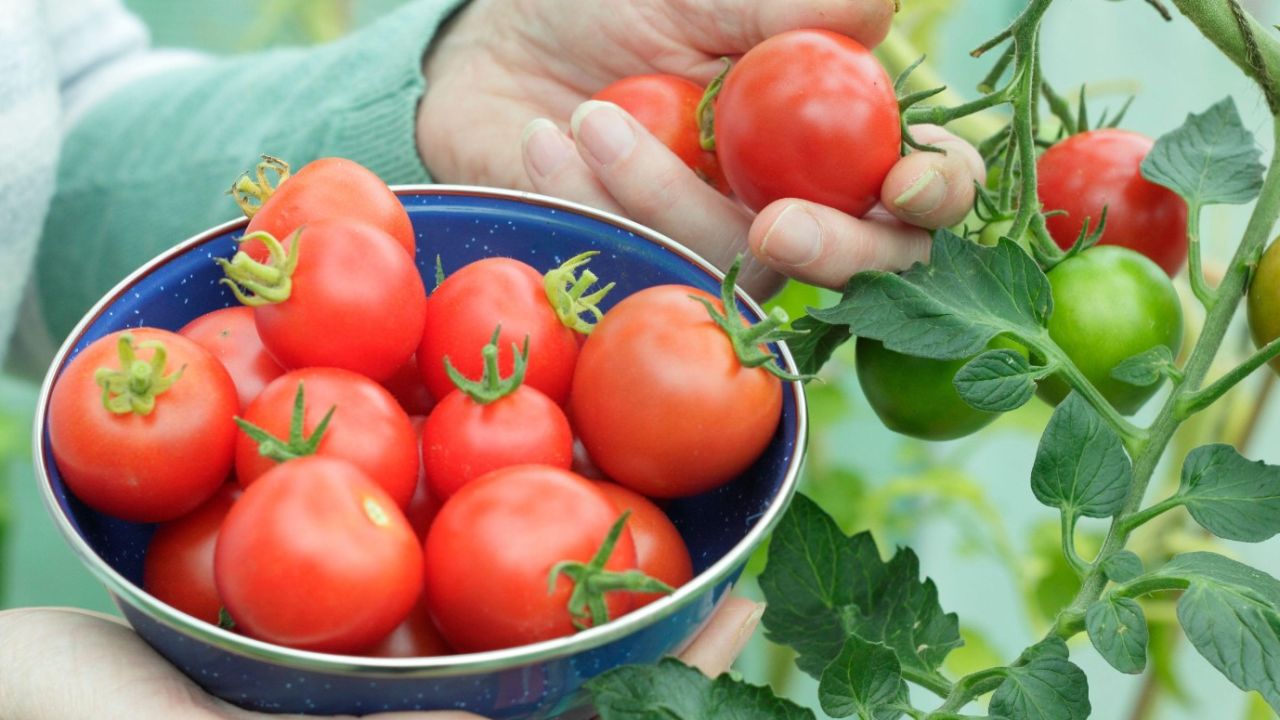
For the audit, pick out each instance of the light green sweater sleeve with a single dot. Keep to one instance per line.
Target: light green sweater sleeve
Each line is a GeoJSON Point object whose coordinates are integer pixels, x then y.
{"type": "Point", "coordinates": [150, 165]}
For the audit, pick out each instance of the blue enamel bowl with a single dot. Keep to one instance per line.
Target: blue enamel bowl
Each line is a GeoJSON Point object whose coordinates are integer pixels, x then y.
{"type": "Point", "coordinates": [544, 680]}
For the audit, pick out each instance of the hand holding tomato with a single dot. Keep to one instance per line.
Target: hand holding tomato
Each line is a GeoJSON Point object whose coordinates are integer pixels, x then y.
{"type": "Point", "coordinates": [473, 128]}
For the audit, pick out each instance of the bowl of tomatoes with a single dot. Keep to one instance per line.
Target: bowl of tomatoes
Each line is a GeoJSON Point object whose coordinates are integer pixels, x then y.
{"type": "Point", "coordinates": [309, 504]}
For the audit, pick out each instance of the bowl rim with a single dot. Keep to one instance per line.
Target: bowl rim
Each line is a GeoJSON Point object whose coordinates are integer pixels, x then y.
{"type": "Point", "coordinates": [432, 667]}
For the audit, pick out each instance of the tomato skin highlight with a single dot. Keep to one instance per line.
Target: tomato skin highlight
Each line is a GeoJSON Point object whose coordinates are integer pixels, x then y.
{"type": "Point", "coordinates": [178, 567]}
{"type": "Point", "coordinates": [357, 302]}
{"type": "Point", "coordinates": [661, 552]}
{"type": "Point", "coordinates": [1264, 300]}
{"type": "Point", "coordinates": [916, 396]}
{"type": "Point", "coordinates": [232, 336]}
{"type": "Point", "coordinates": [491, 549]}
{"type": "Point", "coordinates": [145, 468]}
{"type": "Point", "coordinates": [316, 556]}
{"type": "Point", "coordinates": [796, 111]}
{"type": "Point", "coordinates": [693, 418]}
{"type": "Point", "coordinates": [1109, 304]}
{"type": "Point", "coordinates": [667, 106]}
{"type": "Point", "coordinates": [1098, 168]}
{"type": "Point", "coordinates": [368, 429]}
{"type": "Point", "coordinates": [464, 439]}
{"type": "Point", "coordinates": [326, 188]}
{"type": "Point", "coordinates": [463, 311]}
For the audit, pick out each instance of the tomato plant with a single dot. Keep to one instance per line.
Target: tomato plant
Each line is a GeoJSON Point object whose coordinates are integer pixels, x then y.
{"type": "Point", "coordinates": [660, 550]}
{"type": "Point", "coordinates": [365, 427]}
{"type": "Point", "coordinates": [344, 295]}
{"type": "Point", "coordinates": [667, 105]}
{"type": "Point", "coordinates": [1081, 175]}
{"type": "Point", "coordinates": [178, 567]}
{"type": "Point", "coordinates": [316, 556]}
{"type": "Point", "coordinates": [795, 110]}
{"type": "Point", "coordinates": [140, 425]}
{"type": "Point", "coordinates": [231, 335]}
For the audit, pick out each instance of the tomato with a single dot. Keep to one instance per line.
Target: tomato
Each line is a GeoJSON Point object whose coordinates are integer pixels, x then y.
{"type": "Point", "coordinates": [996, 229]}
{"type": "Point", "coordinates": [492, 423]}
{"type": "Point", "coordinates": [693, 417]}
{"type": "Point", "coordinates": [667, 105]}
{"type": "Point", "coordinates": [178, 566]}
{"type": "Point", "coordinates": [1102, 168]}
{"type": "Point", "coordinates": [1109, 304]}
{"type": "Point", "coordinates": [406, 385]}
{"type": "Point", "coordinates": [492, 547]}
{"type": "Point", "coordinates": [231, 335]}
{"type": "Point", "coordinates": [808, 114]}
{"type": "Point", "coordinates": [660, 551]}
{"type": "Point", "coordinates": [329, 188]}
{"type": "Point", "coordinates": [916, 396]}
{"type": "Point", "coordinates": [168, 442]}
{"type": "Point", "coordinates": [417, 636]}
{"type": "Point", "coordinates": [368, 429]}
{"type": "Point", "coordinates": [317, 557]}
{"type": "Point", "coordinates": [1264, 300]}
{"type": "Point", "coordinates": [347, 296]}
{"type": "Point", "coordinates": [423, 506]}
{"type": "Point", "coordinates": [463, 311]}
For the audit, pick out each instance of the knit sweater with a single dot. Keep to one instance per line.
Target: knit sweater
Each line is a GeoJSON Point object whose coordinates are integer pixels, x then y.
{"type": "Point", "coordinates": [147, 143]}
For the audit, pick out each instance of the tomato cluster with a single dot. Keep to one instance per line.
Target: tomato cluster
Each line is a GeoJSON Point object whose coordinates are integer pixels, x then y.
{"type": "Point", "coordinates": [300, 502]}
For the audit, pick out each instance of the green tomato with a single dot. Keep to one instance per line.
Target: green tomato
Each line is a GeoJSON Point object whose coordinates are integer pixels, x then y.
{"type": "Point", "coordinates": [916, 396]}
{"type": "Point", "coordinates": [1109, 304]}
{"type": "Point", "coordinates": [1264, 300]}
{"type": "Point", "coordinates": [996, 229]}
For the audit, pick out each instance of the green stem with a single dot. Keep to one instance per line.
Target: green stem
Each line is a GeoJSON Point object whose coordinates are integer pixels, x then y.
{"type": "Point", "coordinates": [938, 115]}
{"type": "Point", "coordinates": [1134, 437]}
{"type": "Point", "coordinates": [972, 686]}
{"type": "Point", "coordinates": [933, 682]}
{"type": "Point", "coordinates": [1147, 584]}
{"type": "Point", "coordinates": [1217, 22]}
{"type": "Point", "coordinates": [1193, 403]}
{"type": "Point", "coordinates": [1141, 517]}
{"type": "Point", "coordinates": [1069, 545]}
{"type": "Point", "coordinates": [1205, 294]}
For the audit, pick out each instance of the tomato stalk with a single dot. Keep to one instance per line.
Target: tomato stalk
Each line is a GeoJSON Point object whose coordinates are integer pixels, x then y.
{"type": "Point", "coordinates": [568, 294]}
{"type": "Point", "coordinates": [299, 444]}
{"type": "Point", "coordinates": [706, 110]}
{"type": "Point", "coordinates": [136, 385]}
{"type": "Point", "coordinates": [246, 191]}
{"type": "Point", "coordinates": [1207, 295]}
{"type": "Point", "coordinates": [747, 340]}
{"type": "Point", "coordinates": [492, 386]}
{"type": "Point", "coordinates": [266, 283]}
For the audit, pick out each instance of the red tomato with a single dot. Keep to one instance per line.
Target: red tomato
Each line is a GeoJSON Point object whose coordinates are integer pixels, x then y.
{"type": "Point", "coordinates": [463, 311]}
{"type": "Point", "coordinates": [368, 428]}
{"type": "Point", "coordinates": [406, 386]}
{"type": "Point", "coordinates": [423, 506]}
{"type": "Point", "coordinates": [667, 105]}
{"type": "Point", "coordinates": [1102, 168]}
{"type": "Point", "coordinates": [232, 337]}
{"type": "Point", "coordinates": [317, 557]}
{"type": "Point", "coordinates": [491, 549]}
{"type": "Point", "coordinates": [661, 401]}
{"type": "Point", "coordinates": [417, 636]}
{"type": "Point", "coordinates": [808, 114]}
{"type": "Point", "coordinates": [178, 567]}
{"type": "Point", "coordinates": [660, 551]}
{"type": "Point", "coordinates": [355, 300]}
{"type": "Point", "coordinates": [144, 467]}
{"type": "Point", "coordinates": [330, 188]}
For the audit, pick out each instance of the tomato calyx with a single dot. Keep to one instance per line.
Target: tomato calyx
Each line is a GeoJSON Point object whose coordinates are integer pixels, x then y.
{"type": "Point", "coordinates": [491, 386]}
{"type": "Point", "coordinates": [298, 445]}
{"type": "Point", "coordinates": [268, 283]}
{"type": "Point", "coordinates": [245, 190]}
{"type": "Point", "coordinates": [706, 112]}
{"type": "Point", "coordinates": [746, 340]}
{"type": "Point", "coordinates": [591, 581]}
{"type": "Point", "coordinates": [225, 621]}
{"type": "Point", "coordinates": [568, 294]}
{"type": "Point", "coordinates": [136, 385]}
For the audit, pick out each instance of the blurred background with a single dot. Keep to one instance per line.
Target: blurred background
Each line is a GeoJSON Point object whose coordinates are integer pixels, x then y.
{"type": "Point", "coordinates": [964, 506]}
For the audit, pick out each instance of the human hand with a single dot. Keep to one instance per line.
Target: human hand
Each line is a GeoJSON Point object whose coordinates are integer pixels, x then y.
{"type": "Point", "coordinates": [67, 664]}
{"type": "Point", "coordinates": [504, 66]}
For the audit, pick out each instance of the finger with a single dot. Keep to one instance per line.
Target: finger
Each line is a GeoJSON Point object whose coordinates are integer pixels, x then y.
{"type": "Point", "coordinates": [655, 188]}
{"type": "Point", "coordinates": [931, 189]}
{"type": "Point", "coordinates": [555, 168]}
{"type": "Point", "coordinates": [823, 246]}
{"type": "Point", "coordinates": [723, 639]}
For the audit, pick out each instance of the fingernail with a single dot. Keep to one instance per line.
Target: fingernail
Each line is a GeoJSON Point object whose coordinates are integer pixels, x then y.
{"type": "Point", "coordinates": [747, 629]}
{"type": "Point", "coordinates": [794, 239]}
{"type": "Point", "coordinates": [925, 194]}
{"type": "Point", "coordinates": [546, 147]}
{"type": "Point", "coordinates": [604, 132]}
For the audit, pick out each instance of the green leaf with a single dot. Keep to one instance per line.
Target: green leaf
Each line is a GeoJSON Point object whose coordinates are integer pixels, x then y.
{"type": "Point", "coordinates": [1122, 566]}
{"type": "Point", "coordinates": [812, 342]}
{"type": "Point", "coordinates": [1081, 467]}
{"type": "Point", "coordinates": [1118, 629]}
{"type": "Point", "coordinates": [1231, 614]}
{"type": "Point", "coordinates": [674, 691]}
{"type": "Point", "coordinates": [864, 680]}
{"type": "Point", "coordinates": [952, 307]}
{"type": "Point", "coordinates": [1144, 369]}
{"type": "Point", "coordinates": [1230, 496]}
{"type": "Point", "coordinates": [1211, 159]}
{"type": "Point", "coordinates": [823, 586]}
{"type": "Point", "coordinates": [997, 381]}
{"type": "Point", "coordinates": [1046, 687]}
